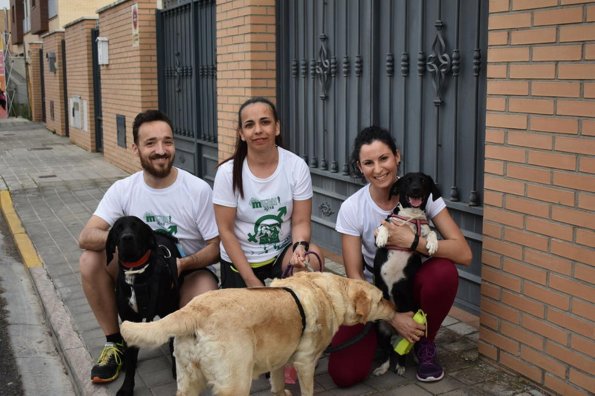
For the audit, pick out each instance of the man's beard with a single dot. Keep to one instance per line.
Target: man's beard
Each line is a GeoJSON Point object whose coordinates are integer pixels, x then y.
{"type": "Point", "coordinates": [157, 172]}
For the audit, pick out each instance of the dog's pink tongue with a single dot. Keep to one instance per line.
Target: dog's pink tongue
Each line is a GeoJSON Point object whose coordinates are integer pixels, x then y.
{"type": "Point", "coordinates": [415, 202]}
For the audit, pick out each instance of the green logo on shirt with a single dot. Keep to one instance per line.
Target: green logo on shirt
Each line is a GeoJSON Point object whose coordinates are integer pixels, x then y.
{"type": "Point", "coordinates": [267, 228]}
{"type": "Point", "coordinates": [266, 204]}
{"type": "Point", "coordinates": [164, 223]}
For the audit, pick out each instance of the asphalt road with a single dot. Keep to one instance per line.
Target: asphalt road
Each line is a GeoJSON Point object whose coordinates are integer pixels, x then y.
{"type": "Point", "coordinates": [30, 363]}
{"type": "Point", "coordinates": [10, 381]}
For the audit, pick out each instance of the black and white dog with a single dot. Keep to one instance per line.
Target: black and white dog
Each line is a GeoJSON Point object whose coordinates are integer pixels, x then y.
{"type": "Point", "coordinates": [394, 267]}
{"type": "Point", "coordinates": [147, 283]}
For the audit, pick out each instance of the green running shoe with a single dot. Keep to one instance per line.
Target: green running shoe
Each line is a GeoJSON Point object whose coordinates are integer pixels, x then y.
{"type": "Point", "coordinates": [109, 364]}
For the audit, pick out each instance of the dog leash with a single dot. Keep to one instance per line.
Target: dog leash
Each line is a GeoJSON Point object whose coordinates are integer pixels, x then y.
{"type": "Point", "coordinates": [330, 349]}
{"type": "Point", "coordinates": [289, 270]}
{"type": "Point", "coordinates": [299, 305]}
{"type": "Point", "coordinates": [352, 341]}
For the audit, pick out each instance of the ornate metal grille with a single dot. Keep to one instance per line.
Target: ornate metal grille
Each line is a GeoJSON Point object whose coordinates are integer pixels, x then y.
{"type": "Point", "coordinates": [187, 81]}
{"type": "Point", "coordinates": [336, 61]}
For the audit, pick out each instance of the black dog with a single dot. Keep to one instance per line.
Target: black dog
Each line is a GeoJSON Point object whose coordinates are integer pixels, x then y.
{"type": "Point", "coordinates": [395, 268]}
{"type": "Point", "coordinates": [147, 283]}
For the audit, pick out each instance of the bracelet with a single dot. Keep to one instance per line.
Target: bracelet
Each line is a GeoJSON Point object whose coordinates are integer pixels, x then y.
{"type": "Point", "coordinates": [305, 244]}
{"type": "Point", "coordinates": [415, 242]}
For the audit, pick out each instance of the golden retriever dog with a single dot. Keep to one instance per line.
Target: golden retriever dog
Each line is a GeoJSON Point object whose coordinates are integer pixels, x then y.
{"type": "Point", "coordinates": [226, 338]}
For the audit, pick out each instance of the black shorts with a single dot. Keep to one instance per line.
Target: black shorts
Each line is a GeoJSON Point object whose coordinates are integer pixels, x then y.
{"type": "Point", "coordinates": [231, 278]}
{"type": "Point", "coordinates": [184, 274]}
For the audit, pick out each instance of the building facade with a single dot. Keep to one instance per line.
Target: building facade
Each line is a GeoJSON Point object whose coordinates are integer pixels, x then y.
{"type": "Point", "coordinates": [532, 162]}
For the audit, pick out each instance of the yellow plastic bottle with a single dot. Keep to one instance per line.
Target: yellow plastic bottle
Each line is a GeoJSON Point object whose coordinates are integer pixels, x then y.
{"type": "Point", "coordinates": [403, 347]}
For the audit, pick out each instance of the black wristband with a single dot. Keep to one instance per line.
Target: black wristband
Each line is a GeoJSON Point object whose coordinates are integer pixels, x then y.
{"type": "Point", "coordinates": [305, 244]}
{"type": "Point", "coordinates": [415, 242]}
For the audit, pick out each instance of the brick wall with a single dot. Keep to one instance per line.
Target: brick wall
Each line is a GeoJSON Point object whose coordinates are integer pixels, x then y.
{"type": "Point", "coordinates": [34, 81]}
{"type": "Point", "coordinates": [129, 81]}
{"type": "Point", "coordinates": [54, 83]}
{"type": "Point", "coordinates": [79, 60]}
{"type": "Point", "coordinates": [245, 61]}
{"type": "Point", "coordinates": [4, 13]}
{"type": "Point", "coordinates": [537, 315]}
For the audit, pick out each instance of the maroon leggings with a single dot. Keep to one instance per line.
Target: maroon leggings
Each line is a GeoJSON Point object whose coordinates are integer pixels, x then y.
{"type": "Point", "coordinates": [436, 286]}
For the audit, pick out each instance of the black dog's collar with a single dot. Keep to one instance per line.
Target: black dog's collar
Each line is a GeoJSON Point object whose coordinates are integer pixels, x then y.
{"type": "Point", "coordinates": [140, 262]}
{"type": "Point", "coordinates": [299, 305]}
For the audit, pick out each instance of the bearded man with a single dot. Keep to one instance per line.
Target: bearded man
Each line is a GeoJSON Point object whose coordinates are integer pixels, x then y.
{"type": "Point", "coordinates": [166, 198]}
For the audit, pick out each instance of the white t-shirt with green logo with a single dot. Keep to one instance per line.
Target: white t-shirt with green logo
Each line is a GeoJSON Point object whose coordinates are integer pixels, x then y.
{"type": "Point", "coordinates": [263, 216]}
{"type": "Point", "coordinates": [184, 209]}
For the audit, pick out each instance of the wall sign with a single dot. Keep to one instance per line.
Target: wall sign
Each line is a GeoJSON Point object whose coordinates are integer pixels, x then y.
{"type": "Point", "coordinates": [134, 18]}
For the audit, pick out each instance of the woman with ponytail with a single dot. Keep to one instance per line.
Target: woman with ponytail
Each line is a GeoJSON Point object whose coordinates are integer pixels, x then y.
{"type": "Point", "coordinates": [263, 203]}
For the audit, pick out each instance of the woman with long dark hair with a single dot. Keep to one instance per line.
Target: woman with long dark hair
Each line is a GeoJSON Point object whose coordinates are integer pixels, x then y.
{"type": "Point", "coordinates": [263, 203]}
{"type": "Point", "coordinates": [376, 159]}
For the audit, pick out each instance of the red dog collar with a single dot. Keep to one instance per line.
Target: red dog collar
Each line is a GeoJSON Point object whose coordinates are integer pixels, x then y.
{"type": "Point", "coordinates": [141, 261]}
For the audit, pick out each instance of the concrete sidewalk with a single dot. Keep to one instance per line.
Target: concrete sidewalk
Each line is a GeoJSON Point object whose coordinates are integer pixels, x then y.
{"type": "Point", "coordinates": [51, 187]}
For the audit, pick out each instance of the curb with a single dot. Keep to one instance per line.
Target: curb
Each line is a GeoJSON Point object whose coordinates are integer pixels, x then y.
{"type": "Point", "coordinates": [71, 348]}
{"type": "Point", "coordinates": [25, 246]}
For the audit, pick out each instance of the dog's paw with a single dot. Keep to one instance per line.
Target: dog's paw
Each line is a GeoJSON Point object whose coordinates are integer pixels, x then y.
{"type": "Point", "coordinates": [382, 236]}
{"type": "Point", "coordinates": [432, 243]}
{"type": "Point", "coordinates": [382, 369]}
{"type": "Point", "coordinates": [400, 369]}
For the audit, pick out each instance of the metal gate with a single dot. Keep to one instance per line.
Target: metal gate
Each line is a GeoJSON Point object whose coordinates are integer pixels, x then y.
{"type": "Point", "coordinates": [65, 82]}
{"type": "Point", "coordinates": [415, 67]}
{"type": "Point", "coordinates": [42, 85]}
{"type": "Point", "coordinates": [97, 103]}
{"type": "Point", "coordinates": [187, 81]}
